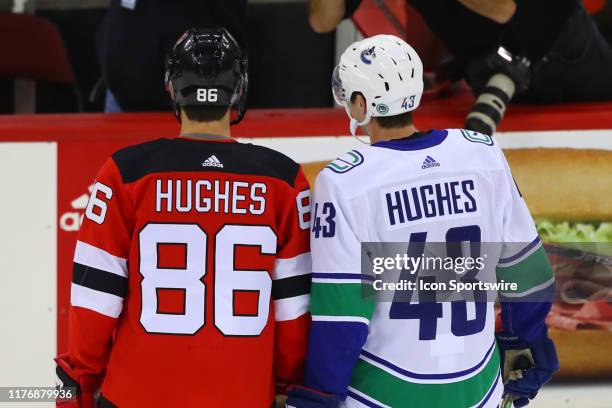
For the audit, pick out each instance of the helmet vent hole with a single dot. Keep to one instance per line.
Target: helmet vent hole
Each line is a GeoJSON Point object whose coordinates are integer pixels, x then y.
{"type": "Point", "coordinates": [373, 104]}
{"type": "Point", "coordinates": [387, 86]}
{"type": "Point", "coordinates": [381, 77]}
{"type": "Point", "coordinates": [393, 61]}
{"type": "Point", "coordinates": [412, 75]}
{"type": "Point", "coordinates": [355, 65]}
{"type": "Point", "coordinates": [376, 97]}
{"type": "Point", "coordinates": [400, 76]}
{"type": "Point", "coordinates": [408, 54]}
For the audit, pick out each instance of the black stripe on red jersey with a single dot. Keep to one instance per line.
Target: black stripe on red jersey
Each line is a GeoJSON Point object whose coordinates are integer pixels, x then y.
{"type": "Point", "coordinates": [104, 402]}
{"type": "Point", "coordinates": [186, 155]}
{"type": "Point", "coordinates": [99, 280]}
{"type": "Point", "coordinates": [291, 287]}
{"type": "Point", "coordinates": [66, 381]}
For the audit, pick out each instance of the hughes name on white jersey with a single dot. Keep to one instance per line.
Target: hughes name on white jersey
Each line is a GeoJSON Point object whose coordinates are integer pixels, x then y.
{"type": "Point", "coordinates": [440, 186]}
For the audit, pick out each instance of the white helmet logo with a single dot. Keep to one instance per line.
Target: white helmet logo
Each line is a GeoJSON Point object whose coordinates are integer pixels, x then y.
{"type": "Point", "coordinates": [382, 108]}
{"type": "Point", "coordinates": [367, 55]}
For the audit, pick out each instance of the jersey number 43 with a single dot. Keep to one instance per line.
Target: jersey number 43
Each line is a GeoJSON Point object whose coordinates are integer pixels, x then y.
{"type": "Point", "coordinates": [428, 311]}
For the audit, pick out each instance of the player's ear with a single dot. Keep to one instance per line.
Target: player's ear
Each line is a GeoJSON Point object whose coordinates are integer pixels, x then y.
{"type": "Point", "coordinates": [357, 105]}
{"type": "Point", "coordinates": [362, 105]}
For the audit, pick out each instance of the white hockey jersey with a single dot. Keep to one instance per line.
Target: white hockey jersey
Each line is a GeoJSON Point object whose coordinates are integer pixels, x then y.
{"type": "Point", "coordinates": [450, 185]}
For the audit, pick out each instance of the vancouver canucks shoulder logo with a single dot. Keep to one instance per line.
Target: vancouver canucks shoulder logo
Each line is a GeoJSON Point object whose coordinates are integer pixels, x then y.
{"type": "Point", "coordinates": [346, 162]}
{"type": "Point", "coordinates": [477, 137]}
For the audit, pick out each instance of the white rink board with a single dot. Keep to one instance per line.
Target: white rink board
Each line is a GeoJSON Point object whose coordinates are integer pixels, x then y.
{"type": "Point", "coordinates": [28, 196]}
{"type": "Point", "coordinates": [308, 149]}
{"type": "Point", "coordinates": [567, 395]}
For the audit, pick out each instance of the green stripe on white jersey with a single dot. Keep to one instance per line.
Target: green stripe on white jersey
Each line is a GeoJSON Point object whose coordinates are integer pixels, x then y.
{"type": "Point", "coordinates": [380, 384]}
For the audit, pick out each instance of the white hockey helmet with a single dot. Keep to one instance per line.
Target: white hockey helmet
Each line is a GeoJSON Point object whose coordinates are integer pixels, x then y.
{"type": "Point", "coordinates": [386, 71]}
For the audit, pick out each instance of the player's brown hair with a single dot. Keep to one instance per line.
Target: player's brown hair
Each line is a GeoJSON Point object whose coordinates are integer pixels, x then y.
{"type": "Point", "coordinates": [389, 122]}
{"type": "Point", "coordinates": [205, 113]}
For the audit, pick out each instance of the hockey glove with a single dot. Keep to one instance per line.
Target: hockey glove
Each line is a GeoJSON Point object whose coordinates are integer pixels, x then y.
{"type": "Point", "coordinates": [302, 397]}
{"type": "Point", "coordinates": [80, 389]}
{"type": "Point", "coordinates": [526, 366]}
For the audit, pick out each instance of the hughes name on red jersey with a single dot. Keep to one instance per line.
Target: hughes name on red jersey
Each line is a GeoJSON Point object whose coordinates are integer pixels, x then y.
{"type": "Point", "coordinates": [191, 277]}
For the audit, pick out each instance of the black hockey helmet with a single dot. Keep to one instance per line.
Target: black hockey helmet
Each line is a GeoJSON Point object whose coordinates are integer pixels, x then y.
{"type": "Point", "coordinates": [207, 67]}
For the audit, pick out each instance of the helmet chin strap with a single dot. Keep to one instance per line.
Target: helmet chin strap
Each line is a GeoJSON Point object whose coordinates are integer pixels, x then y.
{"type": "Point", "coordinates": [355, 123]}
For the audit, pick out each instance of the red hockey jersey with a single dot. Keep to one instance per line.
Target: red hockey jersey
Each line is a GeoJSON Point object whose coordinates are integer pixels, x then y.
{"type": "Point", "coordinates": [191, 276]}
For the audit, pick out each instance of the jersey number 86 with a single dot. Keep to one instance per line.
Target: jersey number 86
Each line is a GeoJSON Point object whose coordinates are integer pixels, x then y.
{"type": "Point", "coordinates": [227, 278]}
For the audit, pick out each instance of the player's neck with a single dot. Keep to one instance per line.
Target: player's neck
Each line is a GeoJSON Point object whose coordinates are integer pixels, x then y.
{"type": "Point", "coordinates": [378, 134]}
{"type": "Point", "coordinates": [192, 128]}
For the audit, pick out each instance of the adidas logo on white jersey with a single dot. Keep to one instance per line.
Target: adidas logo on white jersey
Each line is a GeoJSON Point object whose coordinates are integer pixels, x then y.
{"type": "Point", "coordinates": [212, 161]}
{"type": "Point", "coordinates": [430, 162]}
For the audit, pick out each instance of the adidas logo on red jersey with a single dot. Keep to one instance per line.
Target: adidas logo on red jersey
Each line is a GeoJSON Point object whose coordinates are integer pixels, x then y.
{"type": "Point", "coordinates": [212, 161]}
